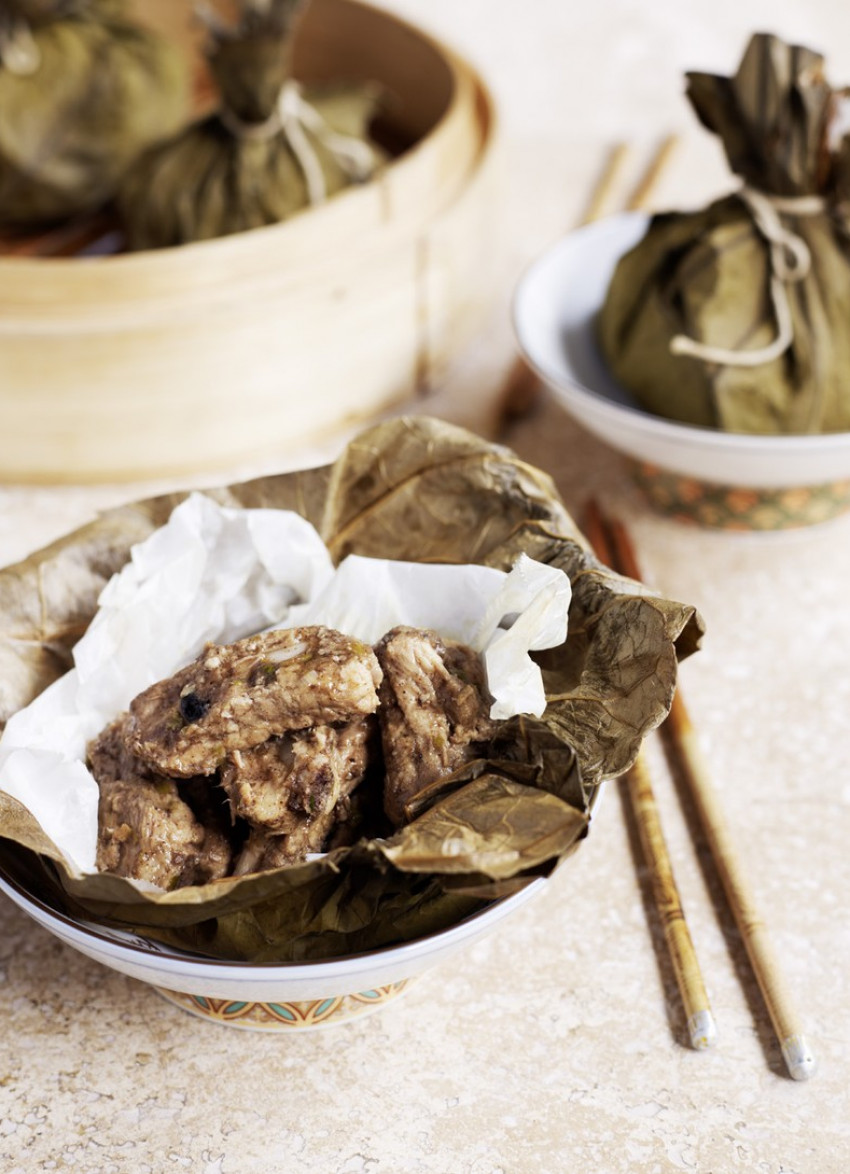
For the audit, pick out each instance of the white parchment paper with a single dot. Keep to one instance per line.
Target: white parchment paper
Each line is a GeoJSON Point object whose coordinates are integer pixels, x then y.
{"type": "Point", "coordinates": [217, 574]}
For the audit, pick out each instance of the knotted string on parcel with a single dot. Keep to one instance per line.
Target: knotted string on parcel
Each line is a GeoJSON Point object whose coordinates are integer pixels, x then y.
{"type": "Point", "coordinates": [295, 119]}
{"type": "Point", "coordinates": [18, 51]}
{"type": "Point", "coordinates": [790, 261]}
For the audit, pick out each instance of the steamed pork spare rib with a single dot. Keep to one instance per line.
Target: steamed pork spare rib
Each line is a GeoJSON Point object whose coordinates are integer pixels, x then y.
{"type": "Point", "coordinates": [293, 790]}
{"type": "Point", "coordinates": [147, 827]}
{"type": "Point", "coordinates": [237, 696]}
{"type": "Point", "coordinates": [271, 729]}
{"type": "Point", "coordinates": [434, 713]}
{"type": "Point", "coordinates": [249, 757]}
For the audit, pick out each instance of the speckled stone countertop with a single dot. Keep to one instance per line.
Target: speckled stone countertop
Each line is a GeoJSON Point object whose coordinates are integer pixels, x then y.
{"type": "Point", "coordinates": [558, 1042]}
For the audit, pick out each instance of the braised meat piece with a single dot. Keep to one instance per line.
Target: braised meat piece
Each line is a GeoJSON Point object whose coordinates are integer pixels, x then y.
{"type": "Point", "coordinates": [146, 830]}
{"type": "Point", "coordinates": [434, 712]}
{"type": "Point", "coordinates": [109, 759]}
{"type": "Point", "coordinates": [264, 849]}
{"type": "Point", "coordinates": [296, 777]}
{"type": "Point", "coordinates": [237, 696]}
{"type": "Point", "coordinates": [270, 737]}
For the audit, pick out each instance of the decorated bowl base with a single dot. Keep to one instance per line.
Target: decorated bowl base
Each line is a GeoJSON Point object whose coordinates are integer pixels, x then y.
{"type": "Point", "coordinates": [722, 507]}
{"type": "Point", "coordinates": [306, 1015]}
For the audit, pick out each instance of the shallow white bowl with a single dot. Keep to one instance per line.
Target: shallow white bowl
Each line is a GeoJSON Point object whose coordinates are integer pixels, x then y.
{"type": "Point", "coordinates": [554, 312]}
{"type": "Point", "coordinates": [282, 997]}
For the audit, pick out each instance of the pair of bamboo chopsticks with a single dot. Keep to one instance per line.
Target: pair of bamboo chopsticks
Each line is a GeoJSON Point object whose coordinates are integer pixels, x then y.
{"type": "Point", "coordinates": [521, 387]}
{"type": "Point", "coordinates": [643, 191]}
{"type": "Point", "coordinates": [613, 546]}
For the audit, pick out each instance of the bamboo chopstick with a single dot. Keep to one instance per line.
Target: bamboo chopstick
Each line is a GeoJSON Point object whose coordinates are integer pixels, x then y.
{"type": "Point", "coordinates": [615, 162]}
{"type": "Point", "coordinates": [646, 185]}
{"type": "Point", "coordinates": [680, 733]}
{"type": "Point", "coordinates": [521, 388]}
{"type": "Point", "coordinates": [702, 1029]}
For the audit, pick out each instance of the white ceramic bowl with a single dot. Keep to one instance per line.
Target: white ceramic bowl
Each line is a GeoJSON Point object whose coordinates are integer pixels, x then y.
{"type": "Point", "coordinates": [283, 998]}
{"type": "Point", "coordinates": [721, 478]}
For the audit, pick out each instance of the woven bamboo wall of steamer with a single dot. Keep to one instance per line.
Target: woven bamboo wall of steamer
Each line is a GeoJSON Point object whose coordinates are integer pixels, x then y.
{"type": "Point", "coordinates": [188, 359]}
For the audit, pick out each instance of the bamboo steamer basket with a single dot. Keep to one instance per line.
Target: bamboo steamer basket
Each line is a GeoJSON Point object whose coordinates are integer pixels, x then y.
{"type": "Point", "coordinates": [240, 349]}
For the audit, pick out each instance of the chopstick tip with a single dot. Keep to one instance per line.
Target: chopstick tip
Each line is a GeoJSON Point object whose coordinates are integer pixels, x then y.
{"type": "Point", "coordinates": [702, 1030]}
{"type": "Point", "coordinates": [799, 1057]}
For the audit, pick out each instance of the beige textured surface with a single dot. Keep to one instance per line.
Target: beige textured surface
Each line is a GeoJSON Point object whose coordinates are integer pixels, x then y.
{"type": "Point", "coordinates": [557, 1044]}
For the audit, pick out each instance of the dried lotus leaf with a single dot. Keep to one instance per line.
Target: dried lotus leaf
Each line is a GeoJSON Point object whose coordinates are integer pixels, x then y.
{"type": "Point", "coordinates": [97, 92]}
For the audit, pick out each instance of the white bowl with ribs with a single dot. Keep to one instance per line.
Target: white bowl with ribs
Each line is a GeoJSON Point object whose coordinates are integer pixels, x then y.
{"type": "Point", "coordinates": [285, 772]}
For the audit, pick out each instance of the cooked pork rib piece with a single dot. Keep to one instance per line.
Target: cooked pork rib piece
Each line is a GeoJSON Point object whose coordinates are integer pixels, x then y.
{"type": "Point", "coordinates": [434, 712]}
{"type": "Point", "coordinates": [237, 696]}
{"type": "Point", "coordinates": [264, 849]}
{"type": "Point", "coordinates": [146, 829]}
{"type": "Point", "coordinates": [287, 719]}
{"type": "Point", "coordinates": [296, 777]}
{"type": "Point", "coordinates": [110, 760]}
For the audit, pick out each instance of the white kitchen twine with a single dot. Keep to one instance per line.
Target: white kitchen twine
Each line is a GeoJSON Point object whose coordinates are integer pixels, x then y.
{"type": "Point", "coordinates": [18, 51]}
{"type": "Point", "coordinates": [790, 261]}
{"type": "Point", "coordinates": [293, 117]}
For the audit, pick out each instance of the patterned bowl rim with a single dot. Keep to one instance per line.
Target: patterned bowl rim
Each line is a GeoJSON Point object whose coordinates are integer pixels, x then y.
{"type": "Point", "coordinates": [739, 509]}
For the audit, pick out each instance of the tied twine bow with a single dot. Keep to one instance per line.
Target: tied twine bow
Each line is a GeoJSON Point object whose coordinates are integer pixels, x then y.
{"type": "Point", "coordinates": [18, 51]}
{"type": "Point", "coordinates": [790, 261]}
{"type": "Point", "coordinates": [293, 117]}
